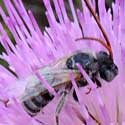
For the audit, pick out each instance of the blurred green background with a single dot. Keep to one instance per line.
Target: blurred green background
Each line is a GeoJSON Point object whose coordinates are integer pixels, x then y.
{"type": "Point", "coordinates": [38, 10]}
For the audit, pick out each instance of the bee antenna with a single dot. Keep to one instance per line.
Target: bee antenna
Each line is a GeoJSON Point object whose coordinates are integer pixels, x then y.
{"type": "Point", "coordinates": [99, 41]}
{"type": "Point", "coordinates": [98, 23]}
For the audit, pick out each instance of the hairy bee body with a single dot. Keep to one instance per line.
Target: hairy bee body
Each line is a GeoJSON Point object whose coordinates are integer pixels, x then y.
{"type": "Point", "coordinates": [36, 95]}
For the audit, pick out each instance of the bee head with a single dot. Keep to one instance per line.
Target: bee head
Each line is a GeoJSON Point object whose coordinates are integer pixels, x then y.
{"type": "Point", "coordinates": [107, 69]}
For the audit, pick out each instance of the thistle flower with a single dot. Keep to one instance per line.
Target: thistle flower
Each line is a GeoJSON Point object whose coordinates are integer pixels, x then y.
{"type": "Point", "coordinates": [36, 49]}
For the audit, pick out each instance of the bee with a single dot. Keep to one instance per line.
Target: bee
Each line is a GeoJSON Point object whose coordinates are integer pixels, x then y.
{"type": "Point", "coordinates": [36, 95]}
{"type": "Point", "coordinates": [99, 64]}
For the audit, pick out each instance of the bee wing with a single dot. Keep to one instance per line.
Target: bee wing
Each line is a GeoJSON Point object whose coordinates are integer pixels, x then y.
{"type": "Point", "coordinates": [58, 76]}
{"type": "Point", "coordinates": [55, 77]}
{"type": "Point", "coordinates": [33, 88]}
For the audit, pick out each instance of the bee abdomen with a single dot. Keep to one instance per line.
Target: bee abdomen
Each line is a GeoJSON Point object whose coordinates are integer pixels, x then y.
{"type": "Point", "coordinates": [30, 107]}
{"type": "Point", "coordinates": [35, 104]}
{"type": "Point", "coordinates": [37, 101]}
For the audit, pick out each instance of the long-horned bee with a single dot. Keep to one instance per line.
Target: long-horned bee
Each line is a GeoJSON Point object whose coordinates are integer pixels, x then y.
{"type": "Point", "coordinates": [97, 65]}
{"type": "Point", "coordinates": [36, 96]}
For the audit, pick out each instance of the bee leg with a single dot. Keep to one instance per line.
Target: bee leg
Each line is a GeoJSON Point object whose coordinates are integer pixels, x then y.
{"type": "Point", "coordinates": [60, 105]}
{"type": "Point", "coordinates": [98, 83]}
{"type": "Point", "coordinates": [89, 90]}
{"type": "Point", "coordinates": [5, 102]}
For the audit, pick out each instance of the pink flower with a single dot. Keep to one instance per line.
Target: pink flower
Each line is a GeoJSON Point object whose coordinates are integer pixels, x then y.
{"type": "Point", "coordinates": [36, 49]}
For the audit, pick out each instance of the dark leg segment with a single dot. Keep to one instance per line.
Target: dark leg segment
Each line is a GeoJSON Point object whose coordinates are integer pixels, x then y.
{"type": "Point", "coordinates": [60, 105]}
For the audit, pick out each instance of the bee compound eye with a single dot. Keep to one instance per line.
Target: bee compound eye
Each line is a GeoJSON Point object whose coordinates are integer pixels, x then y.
{"type": "Point", "coordinates": [108, 73]}
{"type": "Point", "coordinates": [103, 57]}
{"type": "Point", "coordinates": [102, 54]}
